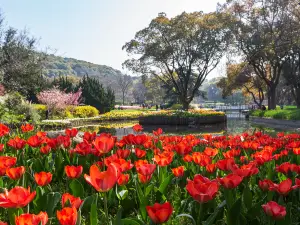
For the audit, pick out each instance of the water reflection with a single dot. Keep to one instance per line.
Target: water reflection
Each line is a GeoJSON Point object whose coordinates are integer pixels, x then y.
{"type": "Point", "coordinates": [236, 124]}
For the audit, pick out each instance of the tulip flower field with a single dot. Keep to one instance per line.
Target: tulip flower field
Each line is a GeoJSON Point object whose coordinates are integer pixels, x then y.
{"type": "Point", "coordinates": [148, 179]}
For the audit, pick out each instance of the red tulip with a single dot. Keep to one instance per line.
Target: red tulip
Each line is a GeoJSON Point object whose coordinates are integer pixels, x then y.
{"type": "Point", "coordinates": [89, 137]}
{"type": "Point", "coordinates": [160, 213]}
{"type": "Point", "coordinates": [179, 171]}
{"type": "Point", "coordinates": [140, 153]}
{"type": "Point", "coordinates": [274, 210]}
{"type": "Point", "coordinates": [283, 188]}
{"type": "Point", "coordinates": [103, 181]}
{"type": "Point", "coordinates": [32, 219]}
{"type": "Point", "coordinates": [18, 197]}
{"type": "Point", "coordinates": [4, 130]}
{"type": "Point", "coordinates": [158, 132]}
{"type": "Point", "coordinates": [146, 169]}
{"type": "Point", "coordinates": [231, 181]}
{"type": "Point", "coordinates": [71, 132]}
{"type": "Point", "coordinates": [137, 128]}
{"type": "Point", "coordinates": [1, 147]}
{"type": "Point", "coordinates": [211, 168]}
{"type": "Point", "coordinates": [16, 143]}
{"type": "Point", "coordinates": [104, 144]}
{"type": "Point", "coordinates": [35, 141]}
{"type": "Point", "coordinates": [144, 179]}
{"type": "Point", "coordinates": [265, 184]}
{"type": "Point", "coordinates": [27, 127]}
{"type": "Point", "coordinates": [15, 173]}
{"type": "Point", "coordinates": [43, 178]}
{"type": "Point", "coordinates": [226, 164]}
{"type": "Point", "coordinates": [67, 216]}
{"type": "Point", "coordinates": [6, 162]}
{"type": "Point", "coordinates": [202, 189]}
{"type": "Point", "coordinates": [74, 201]}
{"type": "Point", "coordinates": [123, 153]}
{"type": "Point", "coordinates": [123, 179]}
{"type": "Point", "coordinates": [3, 223]}
{"type": "Point", "coordinates": [45, 149]}
{"type": "Point", "coordinates": [73, 171]}
{"type": "Point", "coordinates": [201, 159]}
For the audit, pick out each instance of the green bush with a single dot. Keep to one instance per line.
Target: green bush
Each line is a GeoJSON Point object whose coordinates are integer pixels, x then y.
{"type": "Point", "coordinates": [85, 111]}
{"type": "Point", "coordinates": [69, 112]}
{"type": "Point", "coordinates": [176, 107]}
{"type": "Point", "coordinates": [41, 109]}
{"type": "Point", "coordinates": [283, 114]}
{"type": "Point", "coordinates": [15, 110]}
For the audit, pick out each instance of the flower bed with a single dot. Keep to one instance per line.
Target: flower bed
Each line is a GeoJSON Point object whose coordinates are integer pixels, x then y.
{"type": "Point", "coordinates": [172, 117]}
{"type": "Point", "coordinates": [244, 179]}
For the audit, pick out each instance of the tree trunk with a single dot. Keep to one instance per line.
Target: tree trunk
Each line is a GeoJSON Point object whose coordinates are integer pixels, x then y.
{"type": "Point", "coordinates": [272, 98]}
{"type": "Point", "coordinates": [123, 98]}
{"type": "Point", "coordinates": [185, 105]}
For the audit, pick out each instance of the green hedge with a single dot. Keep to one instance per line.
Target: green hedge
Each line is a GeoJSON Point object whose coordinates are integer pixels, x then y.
{"type": "Point", "coordinates": [283, 114]}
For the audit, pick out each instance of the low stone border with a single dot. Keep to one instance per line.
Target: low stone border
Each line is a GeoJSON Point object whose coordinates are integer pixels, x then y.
{"type": "Point", "coordinates": [275, 122]}
{"type": "Point", "coordinates": [176, 120]}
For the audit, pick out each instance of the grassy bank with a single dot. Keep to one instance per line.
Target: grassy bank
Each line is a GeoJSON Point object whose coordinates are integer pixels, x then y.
{"type": "Point", "coordinates": [288, 113]}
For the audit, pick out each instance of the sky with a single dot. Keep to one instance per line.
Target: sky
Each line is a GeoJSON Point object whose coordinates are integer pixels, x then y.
{"type": "Point", "coordinates": [93, 30]}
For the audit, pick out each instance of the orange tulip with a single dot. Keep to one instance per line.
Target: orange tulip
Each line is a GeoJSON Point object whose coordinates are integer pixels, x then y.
{"type": "Point", "coordinates": [67, 216]}
{"type": "Point", "coordinates": [32, 219]}
{"type": "Point", "coordinates": [18, 197]}
{"type": "Point", "coordinates": [123, 179]}
{"type": "Point", "coordinates": [164, 159]}
{"type": "Point", "coordinates": [144, 179]}
{"type": "Point", "coordinates": [74, 201]}
{"type": "Point", "coordinates": [104, 144]}
{"type": "Point", "coordinates": [179, 171]}
{"type": "Point", "coordinates": [15, 173]}
{"type": "Point", "coordinates": [103, 181]}
{"type": "Point", "coordinates": [160, 213]}
{"type": "Point", "coordinates": [43, 178]}
{"type": "Point", "coordinates": [73, 171]}
{"type": "Point", "coordinates": [140, 153]}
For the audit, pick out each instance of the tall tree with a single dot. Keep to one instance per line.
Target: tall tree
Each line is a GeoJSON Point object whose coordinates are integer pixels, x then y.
{"type": "Point", "coordinates": [262, 34]}
{"type": "Point", "coordinates": [21, 64]}
{"type": "Point", "coordinates": [242, 77]}
{"type": "Point", "coordinates": [180, 51]}
{"type": "Point", "coordinates": [124, 82]}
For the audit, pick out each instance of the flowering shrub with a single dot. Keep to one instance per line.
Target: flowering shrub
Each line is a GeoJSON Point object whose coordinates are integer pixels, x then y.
{"type": "Point", "coordinates": [57, 99]}
{"type": "Point", "coordinates": [189, 113]}
{"type": "Point", "coordinates": [243, 179]}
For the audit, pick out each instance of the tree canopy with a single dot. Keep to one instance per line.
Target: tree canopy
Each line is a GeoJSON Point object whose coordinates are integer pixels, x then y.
{"type": "Point", "coordinates": [180, 51]}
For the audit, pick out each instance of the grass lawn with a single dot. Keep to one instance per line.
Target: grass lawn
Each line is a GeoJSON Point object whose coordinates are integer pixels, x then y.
{"type": "Point", "coordinates": [288, 113]}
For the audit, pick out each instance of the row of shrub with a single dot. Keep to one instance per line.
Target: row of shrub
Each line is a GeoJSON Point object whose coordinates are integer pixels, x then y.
{"type": "Point", "coordinates": [68, 112]}
{"type": "Point", "coordinates": [283, 114]}
{"type": "Point", "coordinates": [187, 114]}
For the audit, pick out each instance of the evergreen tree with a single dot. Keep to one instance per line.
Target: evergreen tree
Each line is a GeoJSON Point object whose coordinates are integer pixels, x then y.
{"type": "Point", "coordinates": [94, 94]}
{"type": "Point", "coordinates": [63, 83]}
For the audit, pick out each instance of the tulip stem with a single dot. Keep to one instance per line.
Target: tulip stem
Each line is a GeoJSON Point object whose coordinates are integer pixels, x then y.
{"type": "Point", "coordinates": [105, 207]}
{"type": "Point", "coordinates": [200, 213]}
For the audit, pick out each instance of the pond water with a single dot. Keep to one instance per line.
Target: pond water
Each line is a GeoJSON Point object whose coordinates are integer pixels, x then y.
{"type": "Point", "coordinates": [236, 124]}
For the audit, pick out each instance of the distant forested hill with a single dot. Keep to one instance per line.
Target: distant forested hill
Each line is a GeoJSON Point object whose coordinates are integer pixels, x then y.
{"type": "Point", "coordinates": [56, 66]}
